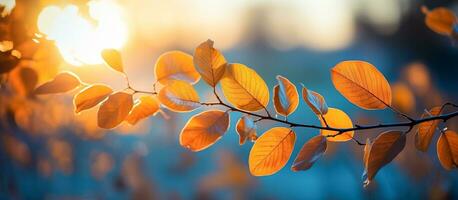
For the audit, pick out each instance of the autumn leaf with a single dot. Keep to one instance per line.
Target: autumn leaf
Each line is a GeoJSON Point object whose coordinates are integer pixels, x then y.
{"type": "Point", "coordinates": [246, 128]}
{"type": "Point", "coordinates": [362, 84]}
{"type": "Point", "coordinates": [441, 20]}
{"type": "Point", "coordinates": [114, 110]}
{"type": "Point", "coordinates": [91, 96]}
{"type": "Point", "coordinates": [315, 101]}
{"type": "Point", "coordinates": [144, 107]}
{"type": "Point", "coordinates": [209, 62]}
{"type": "Point", "coordinates": [271, 151]}
{"type": "Point", "coordinates": [403, 98]}
{"type": "Point", "coordinates": [309, 153]}
{"type": "Point", "coordinates": [204, 129]}
{"type": "Point", "coordinates": [176, 65]}
{"type": "Point", "coordinates": [244, 88]}
{"type": "Point", "coordinates": [286, 98]}
{"type": "Point", "coordinates": [336, 118]}
{"type": "Point", "coordinates": [382, 151]}
{"type": "Point", "coordinates": [447, 149]}
{"type": "Point", "coordinates": [179, 96]}
{"type": "Point", "coordinates": [427, 129]}
{"type": "Point", "coordinates": [63, 82]}
{"type": "Point", "coordinates": [113, 59]}
{"type": "Point", "coordinates": [23, 80]}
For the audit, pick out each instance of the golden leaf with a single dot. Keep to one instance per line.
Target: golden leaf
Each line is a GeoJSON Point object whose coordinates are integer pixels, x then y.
{"type": "Point", "coordinates": [145, 107]}
{"type": "Point", "coordinates": [204, 129]}
{"type": "Point", "coordinates": [309, 153]}
{"type": "Point", "coordinates": [91, 96]}
{"type": "Point", "coordinates": [286, 98]}
{"type": "Point", "coordinates": [63, 82]}
{"type": "Point", "coordinates": [447, 149]}
{"type": "Point", "coordinates": [336, 118]}
{"type": "Point", "coordinates": [176, 65]}
{"type": "Point", "coordinates": [362, 84]}
{"type": "Point", "coordinates": [113, 59]}
{"type": "Point", "coordinates": [244, 88]}
{"type": "Point", "coordinates": [210, 62]}
{"type": "Point", "coordinates": [441, 20]}
{"type": "Point", "coordinates": [315, 101]}
{"type": "Point", "coordinates": [246, 128]}
{"type": "Point", "coordinates": [114, 110]}
{"type": "Point", "coordinates": [271, 151]}
{"type": "Point", "coordinates": [179, 96]}
{"type": "Point", "coordinates": [427, 129]}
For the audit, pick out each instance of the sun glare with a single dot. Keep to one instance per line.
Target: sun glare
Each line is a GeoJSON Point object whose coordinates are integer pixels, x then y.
{"type": "Point", "coordinates": [80, 40]}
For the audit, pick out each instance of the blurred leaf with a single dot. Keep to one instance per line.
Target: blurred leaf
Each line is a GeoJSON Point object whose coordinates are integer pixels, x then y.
{"type": "Point", "coordinates": [62, 153]}
{"type": "Point", "coordinates": [204, 129]}
{"type": "Point", "coordinates": [145, 107]}
{"type": "Point", "coordinates": [113, 59]}
{"type": "Point", "coordinates": [447, 149]}
{"type": "Point", "coordinates": [91, 96]}
{"type": "Point", "coordinates": [176, 65]}
{"type": "Point", "coordinates": [244, 88]}
{"type": "Point", "coordinates": [16, 149]}
{"type": "Point", "coordinates": [209, 62]}
{"type": "Point", "coordinates": [114, 110]}
{"type": "Point", "coordinates": [309, 153]}
{"type": "Point", "coordinates": [23, 80]}
{"type": "Point", "coordinates": [441, 20]}
{"type": "Point", "coordinates": [403, 98]}
{"type": "Point", "coordinates": [427, 129]}
{"type": "Point", "coordinates": [179, 96]}
{"type": "Point", "coordinates": [8, 62]}
{"type": "Point", "coordinates": [336, 118]}
{"type": "Point", "coordinates": [315, 101]}
{"type": "Point", "coordinates": [286, 98]}
{"type": "Point", "coordinates": [362, 84]}
{"type": "Point", "coordinates": [246, 129]}
{"type": "Point", "coordinates": [102, 164]}
{"type": "Point", "coordinates": [63, 82]}
{"type": "Point", "coordinates": [271, 151]}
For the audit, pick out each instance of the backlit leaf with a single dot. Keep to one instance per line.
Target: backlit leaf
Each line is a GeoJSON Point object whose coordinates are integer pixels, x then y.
{"type": "Point", "coordinates": [315, 101]}
{"type": "Point", "coordinates": [204, 129]}
{"type": "Point", "coordinates": [286, 98]}
{"type": "Point", "coordinates": [271, 151]}
{"type": "Point", "coordinates": [309, 153]}
{"type": "Point", "coordinates": [246, 128]}
{"type": "Point", "coordinates": [382, 151]}
{"type": "Point", "coordinates": [209, 62]}
{"type": "Point", "coordinates": [362, 84]}
{"type": "Point", "coordinates": [144, 107]}
{"type": "Point", "coordinates": [427, 129]}
{"type": "Point", "coordinates": [447, 149]}
{"type": "Point", "coordinates": [179, 96]}
{"type": "Point", "coordinates": [336, 118]}
{"type": "Point", "coordinates": [23, 80]}
{"type": "Point", "coordinates": [114, 110]}
{"type": "Point", "coordinates": [63, 82]}
{"type": "Point", "coordinates": [176, 65]}
{"type": "Point", "coordinates": [113, 59]}
{"type": "Point", "coordinates": [244, 88]}
{"type": "Point", "coordinates": [441, 20]}
{"type": "Point", "coordinates": [90, 97]}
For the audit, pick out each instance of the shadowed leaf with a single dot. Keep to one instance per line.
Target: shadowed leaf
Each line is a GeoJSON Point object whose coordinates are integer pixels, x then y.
{"type": "Point", "coordinates": [113, 59]}
{"type": "Point", "coordinates": [176, 65]}
{"type": "Point", "coordinates": [447, 149]}
{"type": "Point", "coordinates": [209, 62]}
{"type": "Point", "coordinates": [90, 97]}
{"type": "Point", "coordinates": [179, 96]}
{"type": "Point", "coordinates": [309, 153]}
{"type": "Point", "coordinates": [315, 101]}
{"type": "Point", "coordinates": [246, 128]}
{"type": "Point", "coordinates": [336, 118]}
{"type": "Point", "coordinates": [114, 110]}
{"type": "Point", "coordinates": [63, 82]}
{"type": "Point", "coordinates": [286, 98]}
{"type": "Point", "coordinates": [427, 129]}
{"type": "Point", "coordinates": [144, 107]}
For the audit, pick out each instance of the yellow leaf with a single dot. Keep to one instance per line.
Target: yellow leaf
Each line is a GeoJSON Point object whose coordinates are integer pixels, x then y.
{"type": "Point", "coordinates": [246, 128]}
{"type": "Point", "coordinates": [382, 151]}
{"type": "Point", "coordinates": [210, 62]}
{"type": "Point", "coordinates": [176, 65]}
{"type": "Point", "coordinates": [114, 110]}
{"type": "Point", "coordinates": [204, 129]}
{"type": "Point", "coordinates": [441, 20]}
{"type": "Point", "coordinates": [145, 107]}
{"type": "Point", "coordinates": [113, 59]}
{"type": "Point", "coordinates": [63, 82]}
{"type": "Point", "coordinates": [244, 88]}
{"type": "Point", "coordinates": [309, 153]}
{"type": "Point", "coordinates": [90, 97]}
{"type": "Point", "coordinates": [403, 98]}
{"type": "Point", "coordinates": [179, 96]}
{"type": "Point", "coordinates": [447, 149]}
{"type": "Point", "coordinates": [362, 84]}
{"type": "Point", "coordinates": [286, 98]}
{"type": "Point", "coordinates": [336, 118]}
{"type": "Point", "coordinates": [315, 101]}
{"type": "Point", "coordinates": [427, 129]}
{"type": "Point", "coordinates": [271, 151]}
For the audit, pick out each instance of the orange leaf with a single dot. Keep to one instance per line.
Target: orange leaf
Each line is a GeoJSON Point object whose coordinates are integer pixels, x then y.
{"type": "Point", "coordinates": [315, 101]}
{"type": "Point", "coordinates": [63, 82]}
{"type": "Point", "coordinates": [210, 62]}
{"type": "Point", "coordinates": [23, 80]}
{"type": "Point", "coordinates": [441, 20]}
{"type": "Point", "coordinates": [204, 129]}
{"type": "Point", "coordinates": [114, 110]}
{"type": "Point", "coordinates": [90, 97]}
{"type": "Point", "coordinates": [145, 107]}
{"type": "Point", "coordinates": [427, 129]}
{"type": "Point", "coordinates": [179, 96]}
{"type": "Point", "coordinates": [336, 118]}
{"type": "Point", "coordinates": [362, 84]}
{"type": "Point", "coordinates": [310, 152]}
{"type": "Point", "coordinates": [447, 149]}
{"type": "Point", "coordinates": [246, 129]}
{"type": "Point", "coordinates": [286, 98]}
{"type": "Point", "coordinates": [113, 59]}
{"type": "Point", "coordinates": [403, 98]}
{"type": "Point", "coordinates": [176, 65]}
{"type": "Point", "coordinates": [271, 151]}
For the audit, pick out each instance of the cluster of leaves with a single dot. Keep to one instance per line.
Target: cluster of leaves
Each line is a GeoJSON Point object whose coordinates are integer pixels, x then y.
{"type": "Point", "coordinates": [442, 21]}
